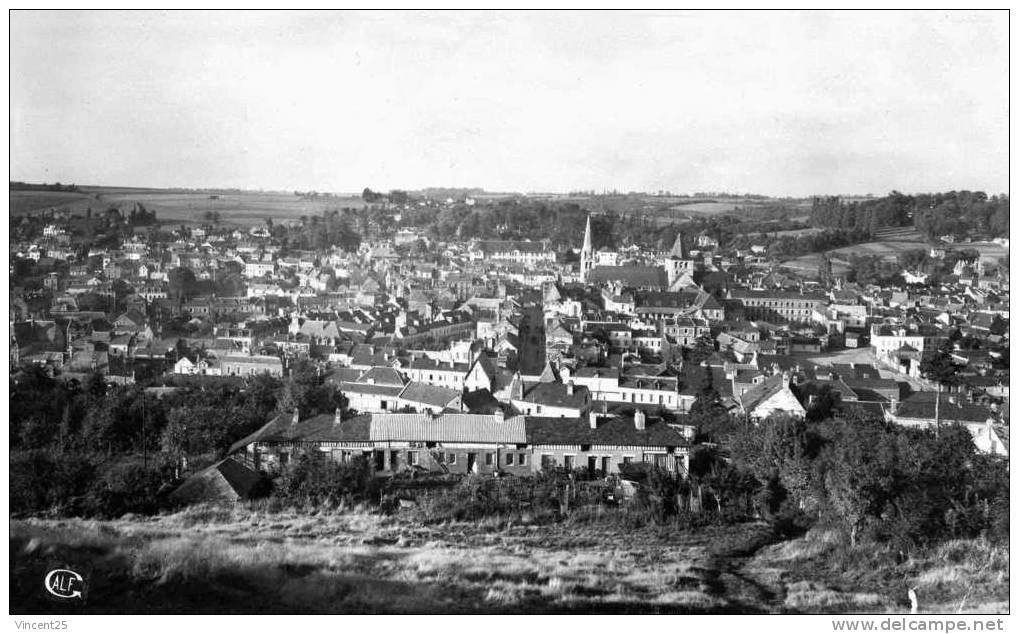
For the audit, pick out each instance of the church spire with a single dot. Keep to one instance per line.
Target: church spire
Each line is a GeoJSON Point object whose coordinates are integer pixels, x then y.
{"type": "Point", "coordinates": [586, 252]}
{"type": "Point", "coordinates": [587, 236]}
{"type": "Point", "coordinates": [677, 247]}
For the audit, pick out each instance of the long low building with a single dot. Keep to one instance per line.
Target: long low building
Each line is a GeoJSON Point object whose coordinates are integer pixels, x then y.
{"type": "Point", "coordinates": [469, 443]}
{"type": "Point", "coordinates": [778, 305]}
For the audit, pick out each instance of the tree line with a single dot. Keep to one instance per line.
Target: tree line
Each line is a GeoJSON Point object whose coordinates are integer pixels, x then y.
{"type": "Point", "coordinates": [92, 448]}
{"type": "Point", "coordinates": [958, 213]}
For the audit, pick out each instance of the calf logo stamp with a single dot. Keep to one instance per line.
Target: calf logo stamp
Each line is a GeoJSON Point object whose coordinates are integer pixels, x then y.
{"type": "Point", "coordinates": [65, 584]}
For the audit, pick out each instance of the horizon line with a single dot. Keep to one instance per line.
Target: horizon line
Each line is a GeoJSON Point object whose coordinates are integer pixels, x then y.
{"type": "Point", "coordinates": [577, 192]}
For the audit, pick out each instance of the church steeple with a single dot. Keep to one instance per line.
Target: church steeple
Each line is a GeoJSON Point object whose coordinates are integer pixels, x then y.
{"type": "Point", "coordinates": [586, 252]}
{"type": "Point", "coordinates": [677, 247]}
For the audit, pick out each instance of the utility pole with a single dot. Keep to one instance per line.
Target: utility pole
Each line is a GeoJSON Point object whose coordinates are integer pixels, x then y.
{"type": "Point", "coordinates": [937, 418]}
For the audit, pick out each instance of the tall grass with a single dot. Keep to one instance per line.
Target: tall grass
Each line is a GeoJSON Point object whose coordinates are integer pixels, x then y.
{"type": "Point", "coordinates": [237, 559]}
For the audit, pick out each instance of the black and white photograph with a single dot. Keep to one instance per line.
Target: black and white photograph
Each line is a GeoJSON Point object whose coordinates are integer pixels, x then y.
{"type": "Point", "coordinates": [671, 313]}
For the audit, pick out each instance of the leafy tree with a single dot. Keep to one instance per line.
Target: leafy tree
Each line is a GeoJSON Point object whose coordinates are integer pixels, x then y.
{"type": "Point", "coordinates": [702, 349]}
{"type": "Point", "coordinates": [306, 390]}
{"type": "Point", "coordinates": [860, 474]}
{"type": "Point", "coordinates": [940, 367]}
{"type": "Point", "coordinates": [707, 413]}
{"type": "Point", "coordinates": [182, 282]}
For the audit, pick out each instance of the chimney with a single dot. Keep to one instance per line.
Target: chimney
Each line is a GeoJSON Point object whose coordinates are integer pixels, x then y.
{"type": "Point", "coordinates": [336, 417]}
{"type": "Point", "coordinates": [785, 379]}
{"type": "Point", "coordinates": [592, 419]}
{"type": "Point", "coordinates": [500, 416]}
{"type": "Point", "coordinates": [639, 419]}
{"type": "Point", "coordinates": [569, 388]}
{"type": "Point", "coordinates": [296, 418]}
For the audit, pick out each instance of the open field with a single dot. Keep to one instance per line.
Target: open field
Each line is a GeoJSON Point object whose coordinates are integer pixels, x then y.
{"type": "Point", "coordinates": [791, 233]}
{"type": "Point", "coordinates": [711, 207]}
{"type": "Point", "coordinates": [28, 201]}
{"type": "Point", "coordinates": [889, 243]}
{"type": "Point", "coordinates": [207, 559]}
{"type": "Point", "coordinates": [240, 207]}
{"type": "Point", "coordinates": [989, 251]}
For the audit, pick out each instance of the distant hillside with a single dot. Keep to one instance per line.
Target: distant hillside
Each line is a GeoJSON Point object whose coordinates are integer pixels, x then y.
{"type": "Point", "coordinates": [180, 205]}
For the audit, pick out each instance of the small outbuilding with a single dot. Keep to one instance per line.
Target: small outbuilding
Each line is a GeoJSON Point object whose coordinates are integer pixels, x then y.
{"type": "Point", "coordinates": [226, 481]}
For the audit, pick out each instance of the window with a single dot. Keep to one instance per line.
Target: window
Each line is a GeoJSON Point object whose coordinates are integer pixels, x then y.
{"type": "Point", "coordinates": [538, 409]}
{"type": "Point", "coordinates": [627, 459]}
{"type": "Point", "coordinates": [412, 457]}
{"type": "Point", "coordinates": [488, 460]}
{"type": "Point", "coordinates": [451, 458]}
{"type": "Point", "coordinates": [509, 460]}
{"type": "Point", "coordinates": [568, 462]}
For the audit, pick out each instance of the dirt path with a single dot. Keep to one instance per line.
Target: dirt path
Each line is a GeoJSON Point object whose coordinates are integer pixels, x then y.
{"type": "Point", "coordinates": [749, 586]}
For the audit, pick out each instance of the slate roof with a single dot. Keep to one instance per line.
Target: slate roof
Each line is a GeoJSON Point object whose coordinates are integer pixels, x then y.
{"type": "Point", "coordinates": [758, 394]}
{"type": "Point", "coordinates": [225, 481]}
{"type": "Point", "coordinates": [507, 246]}
{"type": "Point", "coordinates": [920, 405]}
{"type": "Point", "coordinates": [610, 431]}
{"type": "Point", "coordinates": [426, 363]}
{"type": "Point", "coordinates": [633, 275]}
{"type": "Point", "coordinates": [480, 402]}
{"type": "Point", "coordinates": [556, 395]}
{"type": "Point", "coordinates": [591, 372]}
{"type": "Point", "coordinates": [320, 428]}
{"type": "Point", "coordinates": [486, 364]}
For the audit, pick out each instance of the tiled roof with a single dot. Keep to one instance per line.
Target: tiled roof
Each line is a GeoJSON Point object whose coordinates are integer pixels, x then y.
{"type": "Point", "coordinates": [428, 394]}
{"type": "Point", "coordinates": [368, 388]}
{"type": "Point", "coordinates": [762, 392]}
{"type": "Point", "coordinates": [382, 375]}
{"type": "Point", "coordinates": [920, 405]}
{"type": "Point", "coordinates": [476, 428]}
{"type": "Point", "coordinates": [343, 375]}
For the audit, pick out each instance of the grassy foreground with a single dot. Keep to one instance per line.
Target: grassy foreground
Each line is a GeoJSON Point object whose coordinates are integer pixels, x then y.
{"type": "Point", "coordinates": [208, 560]}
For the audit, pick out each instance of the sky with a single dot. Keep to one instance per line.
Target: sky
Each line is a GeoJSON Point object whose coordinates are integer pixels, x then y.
{"type": "Point", "coordinates": [783, 104]}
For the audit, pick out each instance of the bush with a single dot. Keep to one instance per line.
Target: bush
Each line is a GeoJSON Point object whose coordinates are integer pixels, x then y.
{"type": "Point", "coordinates": [43, 481]}
{"type": "Point", "coordinates": [314, 481]}
{"type": "Point", "coordinates": [546, 496]}
{"type": "Point", "coordinates": [125, 488]}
